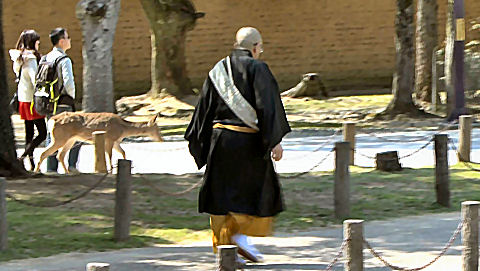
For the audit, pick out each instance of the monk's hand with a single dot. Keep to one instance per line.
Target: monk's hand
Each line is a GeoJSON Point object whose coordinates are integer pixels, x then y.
{"type": "Point", "coordinates": [277, 152]}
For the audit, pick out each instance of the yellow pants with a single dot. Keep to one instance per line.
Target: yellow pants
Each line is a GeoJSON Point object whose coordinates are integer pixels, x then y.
{"type": "Point", "coordinates": [225, 226]}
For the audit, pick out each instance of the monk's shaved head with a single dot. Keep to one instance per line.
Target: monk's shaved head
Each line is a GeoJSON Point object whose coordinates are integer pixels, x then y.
{"type": "Point", "coordinates": [247, 38]}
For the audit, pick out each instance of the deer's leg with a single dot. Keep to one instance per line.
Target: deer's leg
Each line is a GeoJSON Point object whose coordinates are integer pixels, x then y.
{"type": "Point", "coordinates": [64, 151]}
{"type": "Point", "coordinates": [118, 148]}
{"type": "Point", "coordinates": [51, 148]}
{"type": "Point", "coordinates": [108, 151]}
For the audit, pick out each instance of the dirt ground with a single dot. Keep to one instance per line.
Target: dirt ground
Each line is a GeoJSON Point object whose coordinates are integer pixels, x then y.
{"type": "Point", "coordinates": [174, 111]}
{"type": "Point", "coordinates": [57, 188]}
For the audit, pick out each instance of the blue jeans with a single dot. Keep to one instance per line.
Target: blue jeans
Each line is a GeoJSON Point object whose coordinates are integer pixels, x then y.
{"type": "Point", "coordinates": [52, 162]}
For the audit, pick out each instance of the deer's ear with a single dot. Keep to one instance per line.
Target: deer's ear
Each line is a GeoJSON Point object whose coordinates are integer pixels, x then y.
{"type": "Point", "coordinates": [152, 121]}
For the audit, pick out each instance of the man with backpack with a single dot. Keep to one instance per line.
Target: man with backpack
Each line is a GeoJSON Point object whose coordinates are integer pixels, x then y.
{"type": "Point", "coordinates": [63, 86]}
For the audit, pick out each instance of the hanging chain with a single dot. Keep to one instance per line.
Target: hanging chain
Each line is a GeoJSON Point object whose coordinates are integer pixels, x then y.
{"type": "Point", "coordinates": [442, 253]}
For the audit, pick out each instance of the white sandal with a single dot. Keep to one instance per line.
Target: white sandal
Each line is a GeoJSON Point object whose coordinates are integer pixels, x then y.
{"type": "Point", "coordinates": [246, 249]}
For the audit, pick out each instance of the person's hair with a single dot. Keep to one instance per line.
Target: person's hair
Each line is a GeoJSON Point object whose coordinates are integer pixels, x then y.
{"type": "Point", "coordinates": [57, 34]}
{"type": "Point", "coordinates": [27, 41]}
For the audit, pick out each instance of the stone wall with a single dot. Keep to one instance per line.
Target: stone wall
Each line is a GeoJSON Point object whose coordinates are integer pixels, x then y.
{"type": "Point", "coordinates": [349, 44]}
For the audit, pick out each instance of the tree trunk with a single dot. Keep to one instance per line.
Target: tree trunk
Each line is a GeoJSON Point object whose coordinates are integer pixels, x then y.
{"type": "Point", "coordinates": [9, 165]}
{"type": "Point", "coordinates": [98, 20]}
{"type": "Point", "coordinates": [170, 20]}
{"type": "Point", "coordinates": [449, 60]}
{"type": "Point", "coordinates": [455, 60]}
{"type": "Point", "coordinates": [403, 78]}
{"type": "Point", "coordinates": [427, 37]}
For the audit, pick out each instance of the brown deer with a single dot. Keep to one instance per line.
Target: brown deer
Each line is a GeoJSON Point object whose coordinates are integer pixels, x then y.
{"type": "Point", "coordinates": [68, 127]}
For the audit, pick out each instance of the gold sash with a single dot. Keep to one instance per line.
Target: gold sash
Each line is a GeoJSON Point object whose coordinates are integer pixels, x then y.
{"type": "Point", "coordinates": [235, 128]}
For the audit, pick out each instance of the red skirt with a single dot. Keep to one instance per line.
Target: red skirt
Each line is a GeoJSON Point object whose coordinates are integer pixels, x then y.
{"type": "Point", "coordinates": [26, 114]}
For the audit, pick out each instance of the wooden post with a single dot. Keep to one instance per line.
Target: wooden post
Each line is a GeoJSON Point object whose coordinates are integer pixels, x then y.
{"type": "Point", "coordinates": [470, 235]}
{"type": "Point", "coordinates": [123, 201]}
{"type": "Point", "coordinates": [227, 258]}
{"type": "Point", "coordinates": [465, 138]}
{"type": "Point", "coordinates": [99, 143]}
{"type": "Point", "coordinates": [3, 216]}
{"type": "Point", "coordinates": [98, 267]}
{"type": "Point", "coordinates": [441, 170]}
{"type": "Point", "coordinates": [349, 136]}
{"type": "Point", "coordinates": [353, 251]}
{"type": "Point", "coordinates": [341, 195]}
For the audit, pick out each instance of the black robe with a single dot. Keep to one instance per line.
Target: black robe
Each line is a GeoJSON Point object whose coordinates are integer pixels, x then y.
{"type": "Point", "coordinates": [240, 176]}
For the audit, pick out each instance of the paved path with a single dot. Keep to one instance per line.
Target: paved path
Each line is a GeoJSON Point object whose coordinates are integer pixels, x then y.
{"type": "Point", "coordinates": [409, 242]}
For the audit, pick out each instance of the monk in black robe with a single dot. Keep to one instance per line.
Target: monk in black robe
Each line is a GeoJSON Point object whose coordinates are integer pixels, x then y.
{"type": "Point", "coordinates": [236, 130]}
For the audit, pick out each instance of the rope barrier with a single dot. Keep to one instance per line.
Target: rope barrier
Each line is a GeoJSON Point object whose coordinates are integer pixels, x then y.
{"type": "Point", "coordinates": [149, 183]}
{"type": "Point", "coordinates": [377, 255]}
{"type": "Point", "coordinates": [472, 162]}
{"type": "Point", "coordinates": [467, 164]}
{"type": "Point", "coordinates": [321, 146]}
{"type": "Point", "coordinates": [396, 140]}
{"type": "Point", "coordinates": [364, 155]}
{"type": "Point", "coordinates": [367, 167]}
{"type": "Point", "coordinates": [400, 157]}
{"type": "Point", "coordinates": [61, 203]}
{"type": "Point", "coordinates": [445, 128]}
{"type": "Point", "coordinates": [337, 257]}
{"type": "Point", "coordinates": [139, 147]}
{"type": "Point", "coordinates": [417, 151]}
{"type": "Point", "coordinates": [312, 168]}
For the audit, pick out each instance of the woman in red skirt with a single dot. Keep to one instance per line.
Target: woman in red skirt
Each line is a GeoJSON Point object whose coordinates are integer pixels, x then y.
{"type": "Point", "coordinates": [25, 59]}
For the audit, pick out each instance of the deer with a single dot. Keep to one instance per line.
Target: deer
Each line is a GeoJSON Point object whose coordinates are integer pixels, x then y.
{"type": "Point", "coordinates": [68, 127]}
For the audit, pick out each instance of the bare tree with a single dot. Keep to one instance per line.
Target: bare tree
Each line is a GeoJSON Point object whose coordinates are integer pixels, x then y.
{"type": "Point", "coordinates": [426, 41]}
{"type": "Point", "coordinates": [403, 78]}
{"type": "Point", "coordinates": [9, 165]}
{"type": "Point", "coordinates": [99, 21]}
{"type": "Point", "coordinates": [170, 20]}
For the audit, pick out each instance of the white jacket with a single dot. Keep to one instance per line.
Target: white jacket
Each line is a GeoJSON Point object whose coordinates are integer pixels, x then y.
{"type": "Point", "coordinates": [26, 85]}
{"type": "Point", "coordinates": [64, 71]}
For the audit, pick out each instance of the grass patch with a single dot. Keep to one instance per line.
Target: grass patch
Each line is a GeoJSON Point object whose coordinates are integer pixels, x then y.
{"type": "Point", "coordinates": [87, 224]}
{"type": "Point", "coordinates": [36, 232]}
{"type": "Point", "coordinates": [375, 195]}
{"type": "Point", "coordinates": [176, 129]}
